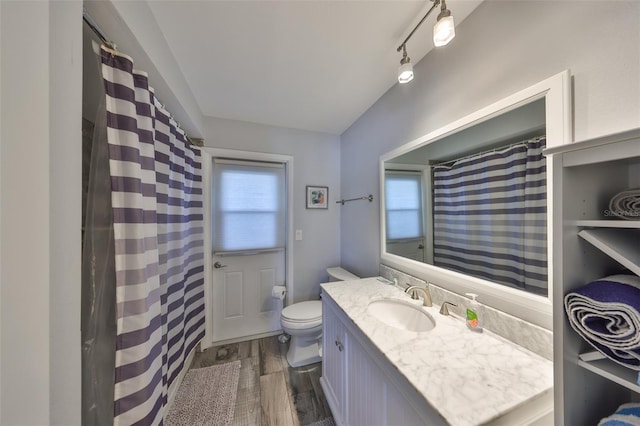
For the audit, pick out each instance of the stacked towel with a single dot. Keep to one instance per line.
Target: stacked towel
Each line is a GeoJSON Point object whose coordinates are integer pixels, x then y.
{"type": "Point", "coordinates": [626, 204]}
{"type": "Point", "coordinates": [626, 415]}
{"type": "Point", "coordinates": [606, 313]}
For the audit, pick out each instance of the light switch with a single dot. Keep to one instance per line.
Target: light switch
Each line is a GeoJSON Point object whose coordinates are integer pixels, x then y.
{"type": "Point", "coordinates": [298, 234]}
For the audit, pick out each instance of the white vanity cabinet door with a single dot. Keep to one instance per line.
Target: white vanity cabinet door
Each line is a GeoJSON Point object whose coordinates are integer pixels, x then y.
{"type": "Point", "coordinates": [334, 358]}
{"type": "Point", "coordinates": [400, 412]}
{"type": "Point", "coordinates": [366, 388]}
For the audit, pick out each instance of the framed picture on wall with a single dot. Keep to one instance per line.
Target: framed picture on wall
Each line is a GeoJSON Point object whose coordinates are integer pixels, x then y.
{"type": "Point", "coordinates": [317, 197]}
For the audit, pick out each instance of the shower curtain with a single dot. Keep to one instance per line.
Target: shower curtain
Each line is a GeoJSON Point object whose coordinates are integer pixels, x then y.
{"type": "Point", "coordinates": [157, 224]}
{"type": "Point", "coordinates": [98, 310]}
{"type": "Point", "coordinates": [490, 216]}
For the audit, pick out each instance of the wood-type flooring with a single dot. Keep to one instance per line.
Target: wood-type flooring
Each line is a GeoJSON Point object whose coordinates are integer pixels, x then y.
{"type": "Point", "coordinates": [270, 392]}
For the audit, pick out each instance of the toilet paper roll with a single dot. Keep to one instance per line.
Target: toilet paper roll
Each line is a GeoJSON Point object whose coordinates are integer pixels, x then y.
{"type": "Point", "coordinates": [278, 292]}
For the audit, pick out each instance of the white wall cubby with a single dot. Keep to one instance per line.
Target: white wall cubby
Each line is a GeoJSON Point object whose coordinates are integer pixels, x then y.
{"type": "Point", "coordinates": [592, 244]}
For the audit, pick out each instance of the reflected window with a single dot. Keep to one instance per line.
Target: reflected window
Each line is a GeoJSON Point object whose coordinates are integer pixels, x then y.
{"type": "Point", "coordinates": [404, 205]}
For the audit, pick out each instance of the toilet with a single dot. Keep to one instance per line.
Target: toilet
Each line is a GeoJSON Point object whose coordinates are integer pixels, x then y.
{"type": "Point", "coordinates": [303, 322]}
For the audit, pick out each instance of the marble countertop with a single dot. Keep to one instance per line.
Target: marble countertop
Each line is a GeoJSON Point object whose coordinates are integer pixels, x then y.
{"type": "Point", "coordinates": [470, 378]}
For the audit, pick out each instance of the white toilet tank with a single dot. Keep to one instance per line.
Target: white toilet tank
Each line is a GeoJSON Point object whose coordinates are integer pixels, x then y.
{"type": "Point", "coordinates": [336, 273]}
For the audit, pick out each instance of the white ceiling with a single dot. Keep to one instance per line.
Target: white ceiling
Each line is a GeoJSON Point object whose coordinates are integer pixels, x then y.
{"type": "Point", "coordinates": [305, 64]}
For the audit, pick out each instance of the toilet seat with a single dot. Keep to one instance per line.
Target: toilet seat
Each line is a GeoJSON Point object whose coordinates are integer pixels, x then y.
{"type": "Point", "coordinates": [302, 315]}
{"type": "Point", "coordinates": [302, 325]}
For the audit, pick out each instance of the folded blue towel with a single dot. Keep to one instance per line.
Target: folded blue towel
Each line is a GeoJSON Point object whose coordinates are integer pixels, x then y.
{"type": "Point", "coordinates": [625, 415]}
{"type": "Point", "coordinates": [606, 313]}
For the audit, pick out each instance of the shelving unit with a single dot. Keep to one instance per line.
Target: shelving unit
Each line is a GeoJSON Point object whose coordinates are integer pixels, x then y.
{"type": "Point", "coordinates": [591, 245]}
{"type": "Point", "coordinates": [621, 224]}
{"type": "Point", "coordinates": [622, 245]}
{"type": "Point", "coordinates": [606, 368]}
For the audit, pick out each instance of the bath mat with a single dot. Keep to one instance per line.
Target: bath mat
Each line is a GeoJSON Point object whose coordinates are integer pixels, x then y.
{"type": "Point", "coordinates": [324, 422]}
{"type": "Point", "coordinates": [207, 396]}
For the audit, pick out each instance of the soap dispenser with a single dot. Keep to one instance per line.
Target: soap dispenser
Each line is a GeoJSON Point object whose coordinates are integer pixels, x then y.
{"type": "Point", "coordinates": [474, 316]}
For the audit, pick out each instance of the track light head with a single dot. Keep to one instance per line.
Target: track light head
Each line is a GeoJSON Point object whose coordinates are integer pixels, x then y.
{"type": "Point", "coordinates": [444, 30]}
{"type": "Point", "coordinates": [405, 72]}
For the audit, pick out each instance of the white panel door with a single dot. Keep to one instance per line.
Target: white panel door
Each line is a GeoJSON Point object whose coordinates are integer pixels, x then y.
{"type": "Point", "coordinates": [242, 302]}
{"type": "Point", "coordinates": [249, 205]}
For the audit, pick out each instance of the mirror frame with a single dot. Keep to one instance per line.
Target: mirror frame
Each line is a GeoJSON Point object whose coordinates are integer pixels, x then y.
{"type": "Point", "coordinates": [536, 309]}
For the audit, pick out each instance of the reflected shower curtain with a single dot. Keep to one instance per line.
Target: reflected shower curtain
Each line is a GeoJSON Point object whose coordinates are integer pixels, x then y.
{"type": "Point", "coordinates": [490, 216]}
{"type": "Point", "coordinates": [156, 195]}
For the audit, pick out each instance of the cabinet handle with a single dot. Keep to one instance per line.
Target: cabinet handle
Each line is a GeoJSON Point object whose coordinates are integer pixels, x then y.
{"type": "Point", "coordinates": [339, 345]}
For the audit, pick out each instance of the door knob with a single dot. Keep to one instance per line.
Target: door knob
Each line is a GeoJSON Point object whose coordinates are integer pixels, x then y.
{"type": "Point", "coordinates": [219, 265]}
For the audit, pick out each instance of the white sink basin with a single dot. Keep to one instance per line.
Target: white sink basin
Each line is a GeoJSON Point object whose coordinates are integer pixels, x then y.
{"type": "Point", "coordinates": [401, 314]}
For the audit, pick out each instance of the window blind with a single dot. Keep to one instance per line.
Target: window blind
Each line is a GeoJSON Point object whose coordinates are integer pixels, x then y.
{"type": "Point", "coordinates": [249, 200]}
{"type": "Point", "coordinates": [403, 204]}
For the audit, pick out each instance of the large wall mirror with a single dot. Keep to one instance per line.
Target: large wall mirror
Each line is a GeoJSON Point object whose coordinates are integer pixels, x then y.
{"type": "Point", "coordinates": [468, 206]}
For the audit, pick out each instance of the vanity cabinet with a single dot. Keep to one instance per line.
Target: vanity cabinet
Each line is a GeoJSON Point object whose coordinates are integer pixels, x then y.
{"type": "Point", "coordinates": [361, 387]}
{"type": "Point", "coordinates": [593, 244]}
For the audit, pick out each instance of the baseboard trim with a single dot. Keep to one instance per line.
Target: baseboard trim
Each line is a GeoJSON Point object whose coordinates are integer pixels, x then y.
{"type": "Point", "coordinates": [245, 338]}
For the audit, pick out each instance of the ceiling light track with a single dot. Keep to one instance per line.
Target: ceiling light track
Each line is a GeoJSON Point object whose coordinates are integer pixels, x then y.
{"type": "Point", "coordinates": [443, 33]}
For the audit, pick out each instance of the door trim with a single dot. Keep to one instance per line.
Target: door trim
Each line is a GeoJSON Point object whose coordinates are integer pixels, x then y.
{"type": "Point", "coordinates": [208, 154]}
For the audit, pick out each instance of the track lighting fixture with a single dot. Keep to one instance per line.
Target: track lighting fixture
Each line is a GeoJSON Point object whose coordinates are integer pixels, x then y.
{"type": "Point", "coordinates": [443, 32]}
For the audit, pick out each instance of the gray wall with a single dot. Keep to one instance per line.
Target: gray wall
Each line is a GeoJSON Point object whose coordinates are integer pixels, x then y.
{"type": "Point", "coordinates": [316, 162]}
{"type": "Point", "coordinates": [40, 149]}
{"type": "Point", "coordinates": [500, 49]}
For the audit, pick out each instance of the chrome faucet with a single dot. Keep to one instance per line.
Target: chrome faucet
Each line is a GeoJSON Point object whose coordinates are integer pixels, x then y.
{"type": "Point", "coordinates": [413, 292]}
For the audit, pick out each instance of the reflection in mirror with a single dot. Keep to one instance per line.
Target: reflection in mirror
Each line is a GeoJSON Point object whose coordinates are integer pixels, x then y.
{"type": "Point", "coordinates": [404, 213]}
{"type": "Point", "coordinates": [475, 201]}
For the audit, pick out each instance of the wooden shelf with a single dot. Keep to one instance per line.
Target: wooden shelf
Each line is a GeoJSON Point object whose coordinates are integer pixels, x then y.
{"type": "Point", "coordinates": [620, 245]}
{"type": "Point", "coordinates": [607, 223]}
{"type": "Point", "coordinates": [614, 372]}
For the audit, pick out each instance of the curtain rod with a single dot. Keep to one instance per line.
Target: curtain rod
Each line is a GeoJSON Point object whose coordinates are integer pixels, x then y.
{"type": "Point", "coordinates": [96, 29]}
{"type": "Point", "coordinates": [103, 37]}
{"type": "Point", "coordinates": [499, 148]}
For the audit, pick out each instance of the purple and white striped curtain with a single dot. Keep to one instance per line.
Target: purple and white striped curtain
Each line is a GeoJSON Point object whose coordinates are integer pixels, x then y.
{"type": "Point", "coordinates": [490, 216]}
{"type": "Point", "coordinates": [156, 182]}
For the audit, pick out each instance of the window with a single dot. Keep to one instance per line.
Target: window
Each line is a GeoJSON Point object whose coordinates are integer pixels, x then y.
{"type": "Point", "coordinates": [403, 205]}
{"type": "Point", "coordinates": [249, 200]}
